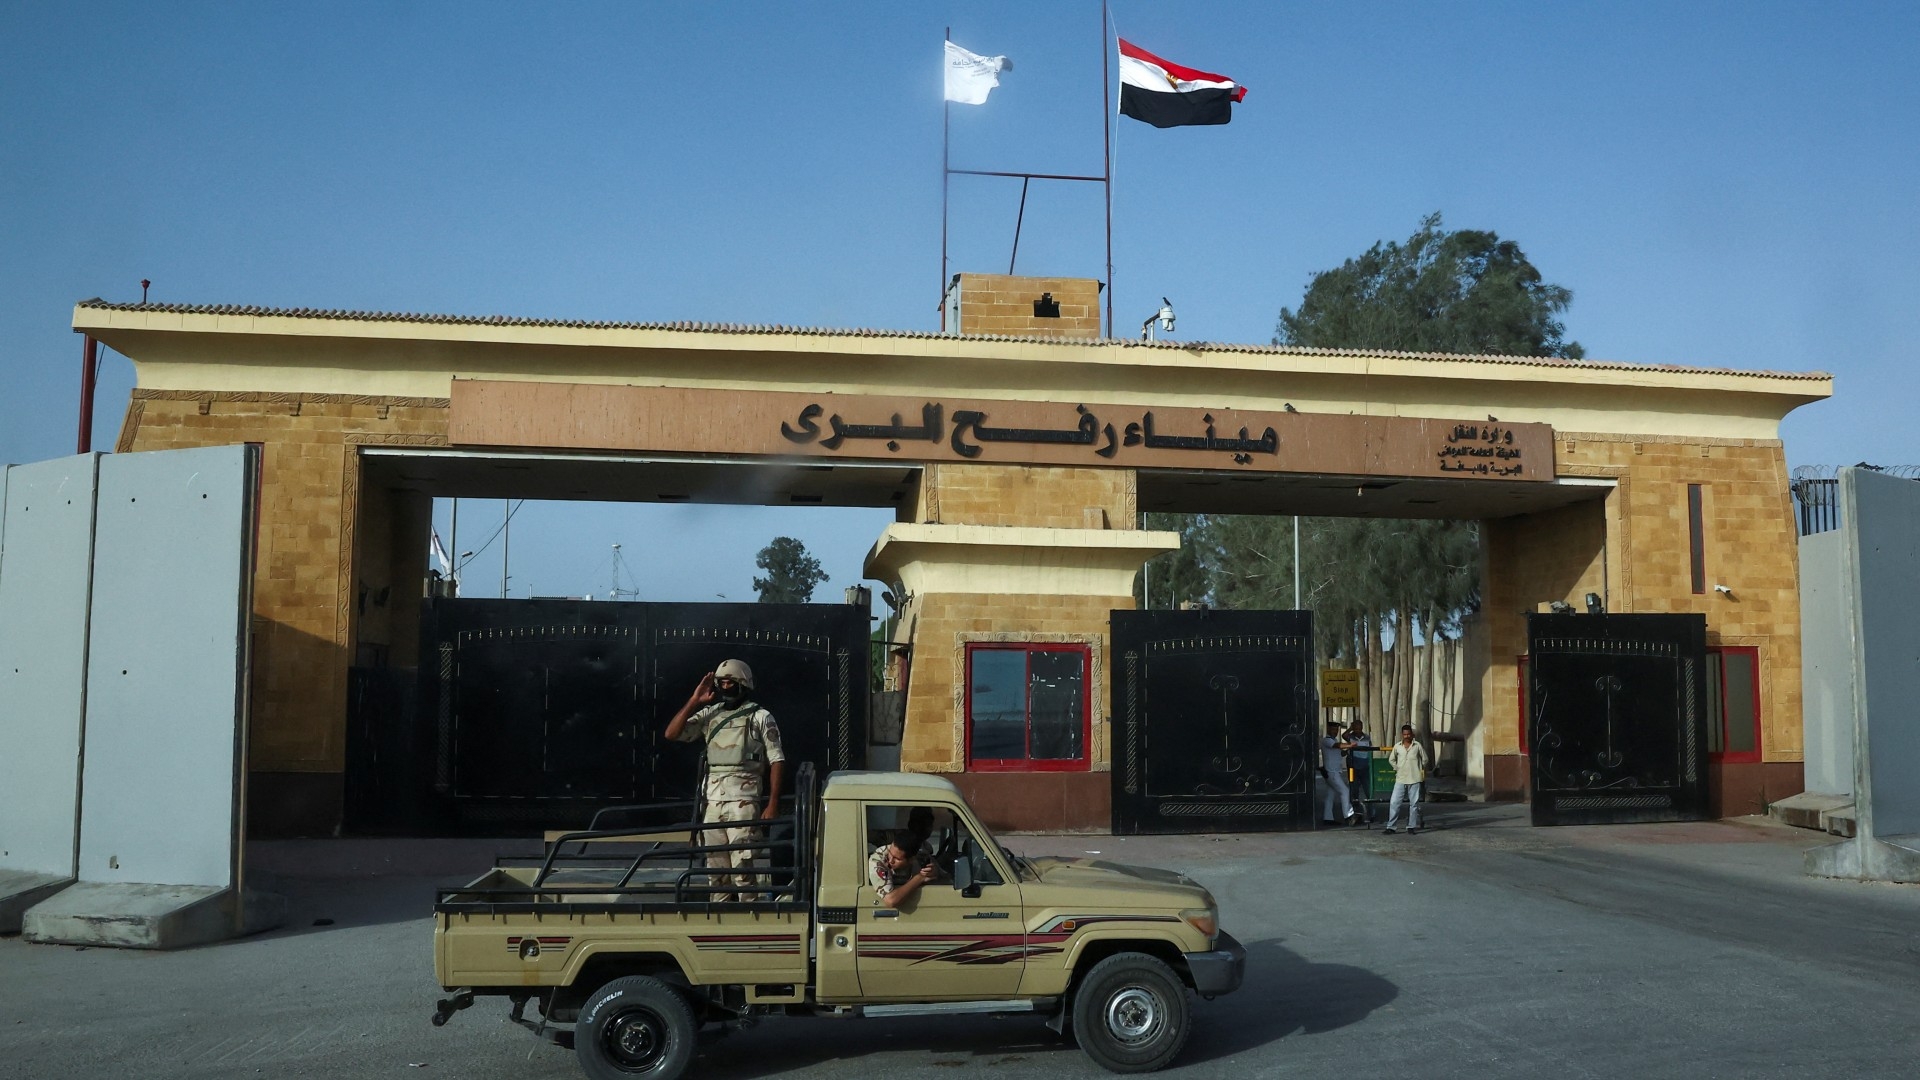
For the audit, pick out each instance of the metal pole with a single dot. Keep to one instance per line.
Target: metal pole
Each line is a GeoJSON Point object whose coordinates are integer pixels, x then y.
{"type": "Point", "coordinates": [946, 178]}
{"type": "Point", "coordinates": [1296, 562]}
{"type": "Point", "coordinates": [506, 546]}
{"type": "Point", "coordinates": [89, 376]}
{"type": "Point", "coordinates": [1106, 142]}
{"type": "Point", "coordinates": [1017, 221]}
{"type": "Point", "coordinates": [454, 529]}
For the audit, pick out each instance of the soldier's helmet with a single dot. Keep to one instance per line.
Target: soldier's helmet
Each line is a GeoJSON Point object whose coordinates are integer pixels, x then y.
{"type": "Point", "coordinates": [735, 669]}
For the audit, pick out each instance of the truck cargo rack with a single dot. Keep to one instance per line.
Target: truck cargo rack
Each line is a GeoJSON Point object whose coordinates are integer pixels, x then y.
{"type": "Point", "coordinates": [663, 874]}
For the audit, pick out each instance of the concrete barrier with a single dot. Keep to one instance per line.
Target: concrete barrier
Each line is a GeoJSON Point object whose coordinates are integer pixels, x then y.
{"type": "Point", "coordinates": [161, 811]}
{"type": "Point", "coordinates": [46, 566]}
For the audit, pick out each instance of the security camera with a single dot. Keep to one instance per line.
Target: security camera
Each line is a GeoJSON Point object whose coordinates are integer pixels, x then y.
{"type": "Point", "coordinates": [1723, 589]}
{"type": "Point", "coordinates": [1164, 317]}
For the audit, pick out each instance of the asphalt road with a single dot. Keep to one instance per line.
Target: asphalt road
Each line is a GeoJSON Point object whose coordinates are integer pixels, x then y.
{"type": "Point", "coordinates": [1481, 948]}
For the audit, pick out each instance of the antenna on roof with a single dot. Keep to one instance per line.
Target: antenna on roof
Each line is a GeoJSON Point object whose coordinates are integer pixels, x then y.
{"type": "Point", "coordinates": [620, 567]}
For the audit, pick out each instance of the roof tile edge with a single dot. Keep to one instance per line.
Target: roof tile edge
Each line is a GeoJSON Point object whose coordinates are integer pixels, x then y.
{"type": "Point", "coordinates": [693, 326]}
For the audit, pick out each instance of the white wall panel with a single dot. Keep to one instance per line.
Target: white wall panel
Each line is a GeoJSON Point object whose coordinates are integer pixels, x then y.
{"type": "Point", "coordinates": [46, 543]}
{"type": "Point", "coordinates": [165, 708]}
{"type": "Point", "coordinates": [1826, 662]}
{"type": "Point", "coordinates": [1885, 513]}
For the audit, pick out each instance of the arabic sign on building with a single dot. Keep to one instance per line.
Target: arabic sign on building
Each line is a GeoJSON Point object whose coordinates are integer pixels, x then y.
{"type": "Point", "coordinates": [591, 416]}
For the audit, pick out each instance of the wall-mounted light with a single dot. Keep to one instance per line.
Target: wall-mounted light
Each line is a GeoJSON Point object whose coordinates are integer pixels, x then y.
{"type": "Point", "coordinates": [1595, 606]}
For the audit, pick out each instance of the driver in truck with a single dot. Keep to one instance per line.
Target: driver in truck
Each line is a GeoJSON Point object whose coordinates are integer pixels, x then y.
{"type": "Point", "coordinates": [899, 867]}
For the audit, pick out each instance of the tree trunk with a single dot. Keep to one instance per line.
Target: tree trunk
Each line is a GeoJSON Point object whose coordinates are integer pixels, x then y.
{"type": "Point", "coordinates": [1403, 644]}
{"type": "Point", "coordinates": [1422, 702]}
{"type": "Point", "coordinates": [1370, 678]}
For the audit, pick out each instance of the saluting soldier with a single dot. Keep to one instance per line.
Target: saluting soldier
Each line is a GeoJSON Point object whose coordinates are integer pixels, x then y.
{"type": "Point", "coordinates": [744, 764]}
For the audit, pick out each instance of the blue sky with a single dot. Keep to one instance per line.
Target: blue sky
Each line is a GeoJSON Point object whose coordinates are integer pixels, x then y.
{"type": "Point", "coordinates": [1722, 184]}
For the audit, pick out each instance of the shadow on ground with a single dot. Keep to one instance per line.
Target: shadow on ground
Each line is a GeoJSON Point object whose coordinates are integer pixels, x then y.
{"type": "Point", "coordinates": [1284, 993]}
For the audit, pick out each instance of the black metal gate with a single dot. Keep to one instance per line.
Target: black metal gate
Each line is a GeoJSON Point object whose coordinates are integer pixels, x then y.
{"type": "Point", "coordinates": [1617, 718]}
{"type": "Point", "coordinates": [533, 713]}
{"type": "Point", "coordinates": [1213, 721]}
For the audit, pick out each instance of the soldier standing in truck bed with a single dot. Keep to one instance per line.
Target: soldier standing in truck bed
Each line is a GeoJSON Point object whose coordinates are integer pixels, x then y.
{"type": "Point", "coordinates": [744, 765]}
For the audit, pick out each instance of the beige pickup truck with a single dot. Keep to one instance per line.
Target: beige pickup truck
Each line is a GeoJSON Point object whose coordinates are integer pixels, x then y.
{"type": "Point", "coordinates": [627, 944]}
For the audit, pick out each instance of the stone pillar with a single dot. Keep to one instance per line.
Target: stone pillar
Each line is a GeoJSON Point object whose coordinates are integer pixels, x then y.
{"type": "Point", "coordinates": [1011, 553]}
{"type": "Point", "coordinates": [969, 584]}
{"type": "Point", "coordinates": [306, 596]}
{"type": "Point", "coordinates": [1635, 550]}
{"type": "Point", "coordinates": [1530, 560]}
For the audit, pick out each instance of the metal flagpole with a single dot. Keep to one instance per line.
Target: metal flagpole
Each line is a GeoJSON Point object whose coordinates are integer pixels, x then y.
{"type": "Point", "coordinates": [946, 176]}
{"type": "Point", "coordinates": [454, 570]}
{"type": "Point", "coordinates": [1296, 562]}
{"type": "Point", "coordinates": [1106, 143]}
{"type": "Point", "coordinates": [1017, 221]}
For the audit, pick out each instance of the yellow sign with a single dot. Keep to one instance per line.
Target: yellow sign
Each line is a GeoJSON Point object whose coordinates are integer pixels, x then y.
{"type": "Point", "coordinates": [1340, 688]}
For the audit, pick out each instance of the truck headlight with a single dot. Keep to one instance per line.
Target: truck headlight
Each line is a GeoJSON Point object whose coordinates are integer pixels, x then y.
{"type": "Point", "coordinates": [1205, 920]}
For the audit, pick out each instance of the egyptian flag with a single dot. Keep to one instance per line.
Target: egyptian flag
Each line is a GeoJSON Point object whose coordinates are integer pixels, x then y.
{"type": "Point", "coordinates": [1166, 95]}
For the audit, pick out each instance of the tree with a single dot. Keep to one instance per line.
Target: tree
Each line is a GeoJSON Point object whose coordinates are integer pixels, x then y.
{"type": "Point", "coordinates": [1378, 586]}
{"type": "Point", "coordinates": [1466, 291]}
{"type": "Point", "coordinates": [1177, 577]}
{"type": "Point", "coordinates": [791, 572]}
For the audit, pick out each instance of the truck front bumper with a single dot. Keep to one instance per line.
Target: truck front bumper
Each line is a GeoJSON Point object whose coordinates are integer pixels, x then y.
{"type": "Point", "coordinates": [1219, 970]}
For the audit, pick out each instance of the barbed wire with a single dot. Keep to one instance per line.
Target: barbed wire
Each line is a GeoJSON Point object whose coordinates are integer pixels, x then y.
{"type": "Point", "coordinates": [1832, 472]}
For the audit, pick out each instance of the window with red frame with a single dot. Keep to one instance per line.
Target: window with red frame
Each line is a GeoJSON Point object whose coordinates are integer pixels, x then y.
{"type": "Point", "coordinates": [1733, 703]}
{"type": "Point", "coordinates": [1525, 662]}
{"type": "Point", "coordinates": [1027, 707]}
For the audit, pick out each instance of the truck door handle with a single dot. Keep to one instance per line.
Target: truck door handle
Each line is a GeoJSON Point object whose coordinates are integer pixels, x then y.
{"type": "Point", "coordinates": [986, 915]}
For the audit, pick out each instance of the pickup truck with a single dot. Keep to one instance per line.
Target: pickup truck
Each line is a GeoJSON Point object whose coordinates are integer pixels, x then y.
{"type": "Point", "coordinates": [628, 944]}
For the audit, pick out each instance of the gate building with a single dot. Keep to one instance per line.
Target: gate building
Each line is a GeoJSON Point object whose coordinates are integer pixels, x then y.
{"type": "Point", "coordinates": [1017, 453]}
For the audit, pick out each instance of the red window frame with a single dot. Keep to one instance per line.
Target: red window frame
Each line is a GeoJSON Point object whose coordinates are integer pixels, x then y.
{"type": "Point", "coordinates": [1080, 764]}
{"type": "Point", "coordinates": [1723, 720]}
{"type": "Point", "coordinates": [1523, 661]}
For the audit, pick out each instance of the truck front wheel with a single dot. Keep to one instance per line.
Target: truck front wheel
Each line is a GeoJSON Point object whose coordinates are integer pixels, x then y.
{"type": "Point", "coordinates": [636, 1026]}
{"type": "Point", "coordinates": [1130, 1013]}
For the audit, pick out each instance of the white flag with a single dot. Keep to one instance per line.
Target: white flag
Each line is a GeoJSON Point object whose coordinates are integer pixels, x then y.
{"type": "Point", "coordinates": [439, 553]}
{"type": "Point", "coordinates": [971, 77]}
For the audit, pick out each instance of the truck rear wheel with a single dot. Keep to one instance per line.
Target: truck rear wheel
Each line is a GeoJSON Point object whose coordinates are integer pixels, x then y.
{"type": "Point", "coordinates": [1130, 1013]}
{"type": "Point", "coordinates": [636, 1026]}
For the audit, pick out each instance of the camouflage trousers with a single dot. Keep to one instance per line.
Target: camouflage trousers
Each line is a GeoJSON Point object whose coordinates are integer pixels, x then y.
{"type": "Point", "coordinates": [733, 797]}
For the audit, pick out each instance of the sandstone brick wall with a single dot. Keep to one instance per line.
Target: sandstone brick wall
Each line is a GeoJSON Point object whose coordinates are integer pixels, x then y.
{"type": "Point", "coordinates": [1052, 497]}
{"type": "Point", "coordinates": [390, 563]}
{"type": "Point", "coordinates": [1558, 555]}
{"type": "Point", "coordinates": [1750, 545]}
{"type": "Point", "coordinates": [998, 304]}
{"type": "Point", "coordinates": [304, 603]}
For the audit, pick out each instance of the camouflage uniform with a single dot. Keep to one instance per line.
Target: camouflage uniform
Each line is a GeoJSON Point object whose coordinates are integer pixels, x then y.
{"type": "Point", "coordinates": [884, 878]}
{"type": "Point", "coordinates": [741, 739]}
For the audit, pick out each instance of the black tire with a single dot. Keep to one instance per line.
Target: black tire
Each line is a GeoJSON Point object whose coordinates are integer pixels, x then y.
{"type": "Point", "coordinates": [636, 1026]}
{"type": "Point", "coordinates": [1130, 1014]}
